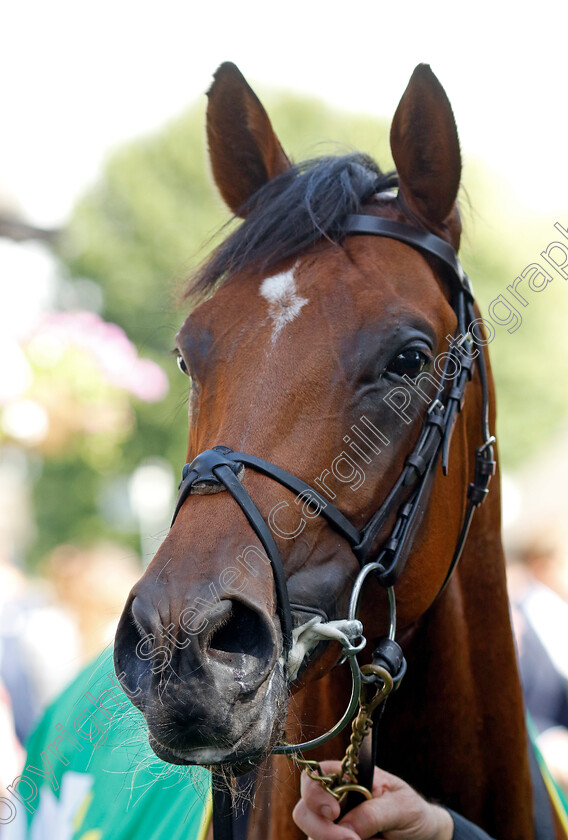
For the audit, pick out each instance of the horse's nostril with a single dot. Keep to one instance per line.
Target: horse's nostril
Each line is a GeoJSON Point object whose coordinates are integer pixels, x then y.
{"type": "Point", "coordinates": [141, 617]}
{"type": "Point", "coordinates": [243, 638]}
{"type": "Point", "coordinates": [131, 668]}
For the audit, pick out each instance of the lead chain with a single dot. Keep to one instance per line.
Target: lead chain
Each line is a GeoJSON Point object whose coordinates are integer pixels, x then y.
{"type": "Point", "coordinates": [339, 784]}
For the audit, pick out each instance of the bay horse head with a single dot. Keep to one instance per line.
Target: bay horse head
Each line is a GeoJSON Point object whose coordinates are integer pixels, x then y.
{"type": "Point", "coordinates": [327, 362]}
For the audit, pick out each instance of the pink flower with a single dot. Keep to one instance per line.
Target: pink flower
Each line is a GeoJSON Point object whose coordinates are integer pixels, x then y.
{"type": "Point", "coordinates": [108, 345]}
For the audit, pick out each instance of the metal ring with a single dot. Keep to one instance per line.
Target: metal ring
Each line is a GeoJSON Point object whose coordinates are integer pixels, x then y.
{"type": "Point", "coordinates": [357, 676]}
{"type": "Point", "coordinates": [287, 749]}
{"type": "Point", "coordinates": [356, 595]}
{"type": "Point", "coordinates": [358, 586]}
{"type": "Point", "coordinates": [378, 672]}
{"type": "Point", "coordinates": [392, 609]}
{"type": "Point", "coordinates": [353, 650]}
{"type": "Point", "coordinates": [340, 791]}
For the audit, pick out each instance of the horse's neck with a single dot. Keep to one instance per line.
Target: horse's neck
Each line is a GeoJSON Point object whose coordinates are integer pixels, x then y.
{"type": "Point", "coordinates": [456, 728]}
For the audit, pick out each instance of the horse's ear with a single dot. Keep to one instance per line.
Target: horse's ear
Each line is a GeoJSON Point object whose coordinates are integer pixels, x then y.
{"type": "Point", "coordinates": [425, 148]}
{"type": "Point", "coordinates": [244, 150]}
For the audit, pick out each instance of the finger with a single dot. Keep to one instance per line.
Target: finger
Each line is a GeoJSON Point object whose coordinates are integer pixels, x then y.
{"type": "Point", "coordinates": [383, 782]}
{"type": "Point", "coordinates": [318, 827]}
{"type": "Point", "coordinates": [316, 798]}
{"type": "Point", "coordinates": [395, 806]}
{"type": "Point", "coordinates": [367, 819]}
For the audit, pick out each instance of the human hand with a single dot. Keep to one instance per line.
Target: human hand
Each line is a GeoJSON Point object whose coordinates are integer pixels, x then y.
{"type": "Point", "coordinates": [396, 811]}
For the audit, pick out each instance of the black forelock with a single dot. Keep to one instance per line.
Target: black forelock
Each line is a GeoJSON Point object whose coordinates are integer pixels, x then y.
{"type": "Point", "coordinates": [291, 212]}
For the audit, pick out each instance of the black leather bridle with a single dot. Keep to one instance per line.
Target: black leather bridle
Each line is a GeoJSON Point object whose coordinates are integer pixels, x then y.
{"type": "Point", "coordinates": [221, 467]}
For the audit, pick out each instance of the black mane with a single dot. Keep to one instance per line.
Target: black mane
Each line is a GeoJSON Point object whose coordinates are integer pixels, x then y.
{"type": "Point", "coordinates": [293, 211]}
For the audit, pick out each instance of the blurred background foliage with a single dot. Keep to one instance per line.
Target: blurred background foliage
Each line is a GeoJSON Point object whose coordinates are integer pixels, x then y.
{"type": "Point", "coordinates": [141, 229]}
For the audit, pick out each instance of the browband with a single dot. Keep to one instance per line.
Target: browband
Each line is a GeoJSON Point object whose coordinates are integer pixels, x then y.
{"type": "Point", "coordinates": [421, 239]}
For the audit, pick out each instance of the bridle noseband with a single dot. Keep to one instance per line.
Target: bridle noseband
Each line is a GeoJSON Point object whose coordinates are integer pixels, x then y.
{"type": "Point", "coordinates": [408, 498]}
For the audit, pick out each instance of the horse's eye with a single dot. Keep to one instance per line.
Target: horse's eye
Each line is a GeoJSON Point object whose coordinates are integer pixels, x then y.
{"type": "Point", "coordinates": [410, 362]}
{"type": "Point", "coordinates": [182, 365]}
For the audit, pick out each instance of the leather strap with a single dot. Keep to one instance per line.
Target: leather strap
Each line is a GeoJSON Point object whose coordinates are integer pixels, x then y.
{"type": "Point", "coordinates": [421, 239]}
{"type": "Point", "coordinates": [485, 467]}
{"type": "Point", "coordinates": [222, 816]}
{"type": "Point", "coordinates": [221, 465]}
{"type": "Point", "coordinates": [260, 527]}
{"type": "Point", "coordinates": [330, 513]}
